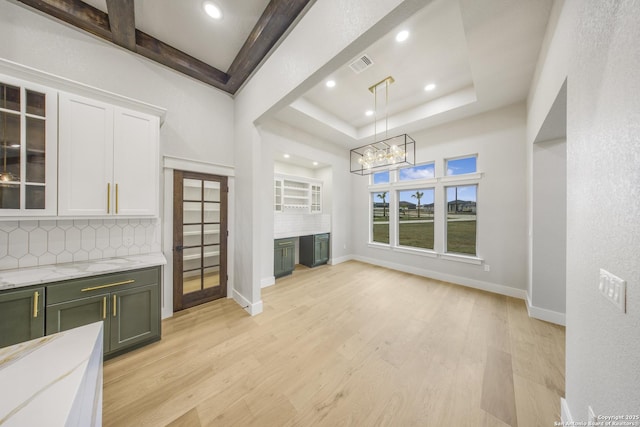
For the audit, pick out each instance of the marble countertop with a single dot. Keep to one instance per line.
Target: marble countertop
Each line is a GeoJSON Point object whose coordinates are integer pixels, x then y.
{"type": "Point", "coordinates": [54, 380]}
{"type": "Point", "coordinates": [21, 277]}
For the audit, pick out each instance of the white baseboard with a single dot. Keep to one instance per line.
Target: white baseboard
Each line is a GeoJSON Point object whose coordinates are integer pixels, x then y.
{"type": "Point", "coordinates": [265, 282]}
{"type": "Point", "coordinates": [544, 314]}
{"type": "Point", "coordinates": [464, 281]}
{"type": "Point", "coordinates": [565, 414]}
{"type": "Point", "coordinates": [340, 260]}
{"type": "Point", "coordinates": [251, 308]}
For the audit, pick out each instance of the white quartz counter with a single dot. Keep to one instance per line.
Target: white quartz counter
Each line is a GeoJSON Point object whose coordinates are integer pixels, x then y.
{"type": "Point", "coordinates": [22, 277]}
{"type": "Point", "coordinates": [53, 381]}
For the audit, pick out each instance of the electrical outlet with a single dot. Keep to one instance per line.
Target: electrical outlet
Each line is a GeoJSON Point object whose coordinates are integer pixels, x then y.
{"type": "Point", "coordinates": [613, 289]}
{"type": "Point", "coordinates": [487, 267]}
{"type": "Point", "coordinates": [592, 417]}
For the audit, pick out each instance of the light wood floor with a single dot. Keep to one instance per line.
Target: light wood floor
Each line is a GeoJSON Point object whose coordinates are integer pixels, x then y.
{"type": "Point", "coordinates": [346, 345]}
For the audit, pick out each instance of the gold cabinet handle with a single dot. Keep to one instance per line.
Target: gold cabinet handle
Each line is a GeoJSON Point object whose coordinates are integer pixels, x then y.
{"type": "Point", "coordinates": [115, 310]}
{"type": "Point", "coordinates": [35, 304]}
{"type": "Point", "coordinates": [116, 199]}
{"type": "Point", "coordinates": [108, 197]}
{"type": "Point", "coordinates": [104, 307]}
{"type": "Point", "coordinates": [93, 288]}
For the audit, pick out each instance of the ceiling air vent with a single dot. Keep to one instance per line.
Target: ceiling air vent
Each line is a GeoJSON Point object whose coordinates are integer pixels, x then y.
{"type": "Point", "coordinates": [361, 64]}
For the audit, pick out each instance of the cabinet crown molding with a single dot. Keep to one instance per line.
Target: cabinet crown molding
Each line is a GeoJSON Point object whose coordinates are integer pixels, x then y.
{"type": "Point", "coordinates": [63, 84]}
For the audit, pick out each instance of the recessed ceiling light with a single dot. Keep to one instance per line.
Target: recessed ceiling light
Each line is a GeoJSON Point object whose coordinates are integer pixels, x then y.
{"type": "Point", "coordinates": [368, 113]}
{"type": "Point", "coordinates": [315, 163]}
{"type": "Point", "coordinates": [430, 86]}
{"type": "Point", "coordinates": [286, 156]}
{"type": "Point", "coordinates": [402, 36]}
{"type": "Point", "coordinates": [330, 83]}
{"type": "Point", "coordinates": [212, 10]}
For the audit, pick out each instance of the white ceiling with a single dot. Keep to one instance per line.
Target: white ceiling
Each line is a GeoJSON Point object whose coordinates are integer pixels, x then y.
{"type": "Point", "coordinates": [480, 54]}
{"type": "Point", "coordinates": [184, 25]}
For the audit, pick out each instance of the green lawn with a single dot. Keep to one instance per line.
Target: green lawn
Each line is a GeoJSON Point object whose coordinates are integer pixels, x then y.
{"type": "Point", "coordinates": [417, 235]}
{"type": "Point", "coordinates": [461, 235]}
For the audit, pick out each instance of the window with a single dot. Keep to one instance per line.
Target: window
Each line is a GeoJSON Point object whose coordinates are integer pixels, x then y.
{"type": "Point", "coordinates": [425, 171]}
{"type": "Point", "coordinates": [414, 211]}
{"type": "Point", "coordinates": [415, 218]}
{"type": "Point", "coordinates": [461, 219]}
{"type": "Point", "coordinates": [381, 177]}
{"type": "Point", "coordinates": [461, 166]}
{"type": "Point", "coordinates": [380, 217]}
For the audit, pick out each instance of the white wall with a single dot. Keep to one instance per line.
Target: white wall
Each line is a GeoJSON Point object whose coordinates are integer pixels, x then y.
{"type": "Point", "coordinates": [336, 188]}
{"type": "Point", "coordinates": [595, 47]}
{"type": "Point", "coordinates": [294, 170]}
{"type": "Point", "coordinates": [300, 62]}
{"type": "Point", "coordinates": [549, 239]}
{"type": "Point", "coordinates": [199, 119]}
{"type": "Point", "coordinates": [603, 204]}
{"type": "Point", "coordinates": [498, 138]}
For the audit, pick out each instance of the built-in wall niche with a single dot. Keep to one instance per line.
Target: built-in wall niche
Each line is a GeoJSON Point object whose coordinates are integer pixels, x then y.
{"type": "Point", "coordinates": [297, 195]}
{"type": "Point", "coordinates": [301, 198]}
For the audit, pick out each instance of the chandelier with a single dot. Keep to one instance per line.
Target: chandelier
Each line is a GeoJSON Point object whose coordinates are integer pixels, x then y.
{"type": "Point", "coordinates": [388, 152]}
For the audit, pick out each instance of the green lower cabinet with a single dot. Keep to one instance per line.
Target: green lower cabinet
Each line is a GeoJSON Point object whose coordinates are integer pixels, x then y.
{"type": "Point", "coordinates": [127, 303]}
{"type": "Point", "coordinates": [134, 316]}
{"type": "Point", "coordinates": [80, 312]}
{"type": "Point", "coordinates": [314, 249]}
{"type": "Point", "coordinates": [284, 257]}
{"type": "Point", "coordinates": [21, 316]}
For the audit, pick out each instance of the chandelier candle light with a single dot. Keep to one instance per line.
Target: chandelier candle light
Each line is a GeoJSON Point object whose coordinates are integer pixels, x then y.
{"type": "Point", "coordinates": [387, 153]}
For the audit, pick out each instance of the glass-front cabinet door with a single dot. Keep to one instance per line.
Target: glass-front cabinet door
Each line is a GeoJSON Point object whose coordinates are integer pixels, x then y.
{"type": "Point", "coordinates": [28, 148]}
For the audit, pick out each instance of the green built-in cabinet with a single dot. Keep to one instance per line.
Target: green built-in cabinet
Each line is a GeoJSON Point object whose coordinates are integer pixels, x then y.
{"type": "Point", "coordinates": [284, 257]}
{"type": "Point", "coordinates": [21, 315]}
{"type": "Point", "coordinates": [314, 249]}
{"type": "Point", "coordinates": [128, 304]}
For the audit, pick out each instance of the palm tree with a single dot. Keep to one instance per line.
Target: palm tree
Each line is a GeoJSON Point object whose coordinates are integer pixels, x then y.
{"type": "Point", "coordinates": [418, 196]}
{"type": "Point", "coordinates": [383, 196]}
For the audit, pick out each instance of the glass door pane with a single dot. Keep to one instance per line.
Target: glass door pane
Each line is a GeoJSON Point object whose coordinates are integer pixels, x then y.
{"type": "Point", "coordinates": [200, 238]}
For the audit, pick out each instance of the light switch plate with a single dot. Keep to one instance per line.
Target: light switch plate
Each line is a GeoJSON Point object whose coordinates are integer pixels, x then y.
{"type": "Point", "coordinates": [613, 289]}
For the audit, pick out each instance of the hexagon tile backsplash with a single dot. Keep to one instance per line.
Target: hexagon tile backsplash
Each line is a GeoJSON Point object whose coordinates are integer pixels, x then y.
{"type": "Point", "coordinates": [32, 243]}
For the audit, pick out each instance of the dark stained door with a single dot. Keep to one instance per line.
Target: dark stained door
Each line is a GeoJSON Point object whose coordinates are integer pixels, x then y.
{"type": "Point", "coordinates": [200, 238]}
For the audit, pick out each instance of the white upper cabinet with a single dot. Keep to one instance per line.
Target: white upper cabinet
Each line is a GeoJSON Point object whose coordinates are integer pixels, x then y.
{"type": "Point", "coordinates": [28, 148]}
{"type": "Point", "coordinates": [108, 159]}
{"type": "Point", "coordinates": [136, 163]}
{"type": "Point", "coordinates": [85, 157]}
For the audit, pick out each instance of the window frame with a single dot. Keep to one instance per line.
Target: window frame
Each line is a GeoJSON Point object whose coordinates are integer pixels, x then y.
{"type": "Point", "coordinates": [397, 222]}
{"type": "Point", "coordinates": [438, 183]}
{"type": "Point", "coordinates": [446, 222]}
{"type": "Point", "coordinates": [467, 156]}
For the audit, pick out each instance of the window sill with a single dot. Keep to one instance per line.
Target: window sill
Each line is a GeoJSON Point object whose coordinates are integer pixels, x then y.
{"type": "Point", "coordinates": [467, 259]}
{"type": "Point", "coordinates": [462, 258]}
{"type": "Point", "coordinates": [379, 245]}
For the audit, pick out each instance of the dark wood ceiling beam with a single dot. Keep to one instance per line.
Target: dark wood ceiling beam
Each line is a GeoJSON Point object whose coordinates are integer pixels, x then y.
{"type": "Point", "coordinates": [277, 17]}
{"type": "Point", "coordinates": [119, 27]}
{"type": "Point", "coordinates": [76, 13]}
{"type": "Point", "coordinates": [122, 22]}
{"type": "Point", "coordinates": [95, 21]}
{"type": "Point", "coordinates": [158, 51]}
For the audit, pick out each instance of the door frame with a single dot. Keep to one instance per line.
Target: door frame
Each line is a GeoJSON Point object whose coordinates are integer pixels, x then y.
{"type": "Point", "coordinates": [178, 192]}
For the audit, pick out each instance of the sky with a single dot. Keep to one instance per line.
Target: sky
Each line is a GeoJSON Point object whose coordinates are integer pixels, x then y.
{"type": "Point", "coordinates": [427, 171]}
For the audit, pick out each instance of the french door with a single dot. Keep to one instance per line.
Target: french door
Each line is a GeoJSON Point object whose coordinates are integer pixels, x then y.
{"type": "Point", "coordinates": [200, 238]}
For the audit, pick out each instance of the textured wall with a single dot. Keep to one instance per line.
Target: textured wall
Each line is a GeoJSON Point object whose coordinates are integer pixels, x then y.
{"type": "Point", "coordinates": [603, 205]}
{"type": "Point", "coordinates": [549, 239]}
{"type": "Point", "coordinates": [498, 138]}
{"type": "Point", "coordinates": [32, 243]}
